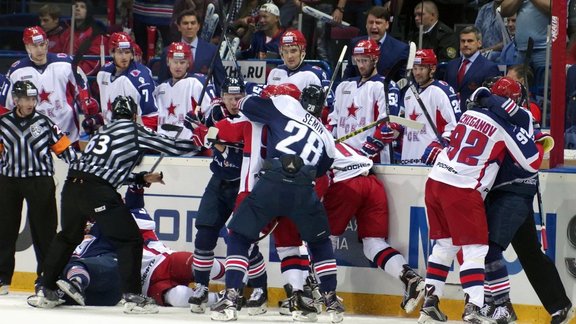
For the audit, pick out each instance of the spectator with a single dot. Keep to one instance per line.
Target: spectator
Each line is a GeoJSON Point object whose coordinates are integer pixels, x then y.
{"type": "Point", "coordinates": [49, 16]}
{"type": "Point", "coordinates": [265, 41]}
{"type": "Point", "coordinates": [491, 25]}
{"type": "Point", "coordinates": [152, 13]}
{"type": "Point", "coordinates": [534, 17]}
{"type": "Point", "coordinates": [87, 38]}
{"type": "Point", "coordinates": [509, 55]}
{"type": "Point", "coordinates": [391, 49]}
{"type": "Point", "coordinates": [467, 73]}
{"type": "Point", "coordinates": [436, 35]}
{"type": "Point", "coordinates": [202, 51]}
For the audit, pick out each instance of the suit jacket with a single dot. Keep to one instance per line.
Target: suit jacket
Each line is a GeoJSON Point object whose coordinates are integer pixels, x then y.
{"type": "Point", "coordinates": [478, 71]}
{"type": "Point", "coordinates": [391, 51]}
{"type": "Point", "coordinates": [442, 39]}
{"type": "Point", "coordinates": [202, 60]}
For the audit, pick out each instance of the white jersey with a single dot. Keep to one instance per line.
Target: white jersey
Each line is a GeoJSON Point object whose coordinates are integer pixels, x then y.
{"type": "Point", "coordinates": [57, 90]}
{"type": "Point", "coordinates": [154, 252]}
{"type": "Point", "coordinates": [136, 82]}
{"type": "Point", "coordinates": [302, 77]}
{"type": "Point", "coordinates": [175, 100]}
{"type": "Point", "coordinates": [358, 104]}
{"type": "Point", "coordinates": [442, 105]}
{"type": "Point", "coordinates": [477, 147]}
{"type": "Point", "coordinates": [348, 163]}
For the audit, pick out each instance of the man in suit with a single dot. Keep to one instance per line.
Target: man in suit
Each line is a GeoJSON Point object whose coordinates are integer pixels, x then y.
{"type": "Point", "coordinates": [391, 49]}
{"type": "Point", "coordinates": [436, 35]}
{"type": "Point", "coordinates": [202, 51]}
{"type": "Point", "coordinates": [466, 73]}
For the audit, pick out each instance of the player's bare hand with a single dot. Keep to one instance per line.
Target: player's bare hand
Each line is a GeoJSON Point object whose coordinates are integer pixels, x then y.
{"type": "Point", "coordinates": [155, 177]}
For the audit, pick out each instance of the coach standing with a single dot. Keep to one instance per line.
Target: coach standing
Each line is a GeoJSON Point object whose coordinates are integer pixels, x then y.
{"type": "Point", "coordinates": [26, 172]}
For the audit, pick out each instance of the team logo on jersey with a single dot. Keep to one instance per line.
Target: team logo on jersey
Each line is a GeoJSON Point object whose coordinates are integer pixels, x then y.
{"type": "Point", "coordinates": [141, 79]}
{"type": "Point", "coordinates": [352, 111]}
{"type": "Point", "coordinates": [414, 115]}
{"type": "Point", "coordinates": [44, 96]}
{"type": "Point", "coordinates": [135, 73]}
{"type": "Point", "coordinates": [171, 109]}
{"type": "Point", "coordinates": [36, 129]}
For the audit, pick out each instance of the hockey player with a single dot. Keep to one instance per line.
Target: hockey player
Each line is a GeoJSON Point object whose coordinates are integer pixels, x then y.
{"type": "Point", "coordinates": [362, 100]}
{"type": "Point", "coordinates": [440, 101]}
{"type": "Point", "coordinates": [90, 191]}
{"type": "Point", "coordinates": [219, 199]}
{"type": "Point", "coordinates": [294, 70]}
{"type": "Point", "coordinates": [27, 139]}
{"type": "Point", "coordinates": [286, 181]}
{"type": "Point", "coordinates": [60, 88]}
{"type": "Point", "coordinates": [125, 77]}
{"type": "Point", "coordinates": [457, 185]}
{"type": "Point", "coordinates": [180, 94]}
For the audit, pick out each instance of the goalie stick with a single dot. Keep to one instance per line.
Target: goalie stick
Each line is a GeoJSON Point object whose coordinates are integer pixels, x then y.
{"type": "Point", "coordinates": [210, 23]}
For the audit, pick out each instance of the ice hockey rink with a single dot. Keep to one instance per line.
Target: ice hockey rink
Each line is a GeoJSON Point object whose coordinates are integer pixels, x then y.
{"type": "Point", "coordinates": [14, 309]}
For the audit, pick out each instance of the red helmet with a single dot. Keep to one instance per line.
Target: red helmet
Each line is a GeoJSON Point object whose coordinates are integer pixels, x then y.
{"type": "Point", "coordinates": [293, 38]}
{"type": "Point", "coordinates": [34, 35]}
{"type": "Point", "coordinates": [287, 89]}
{"type": "Point", "coordinates": [179, 50]}
{"type": "Point", "coordinates": [367, 47]}
{"type": "Point", "coordinates": [508, 88]}
{"type": "Point", "coordinates": [119, 40]}
{"type": "Point", "coordinates": [425, 56]}
{"type": "Point", "coordinates": [137, 49]}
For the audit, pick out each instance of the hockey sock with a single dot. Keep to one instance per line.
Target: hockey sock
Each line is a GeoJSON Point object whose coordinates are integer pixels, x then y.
{"type": "Point", "coordinates": [293, 266]}
{"type": "Point", "coordinates": [257, 269]}
{"type": "Point", "coordinates": [472, 272]}
{"type": "Point", "coordinates": [236, 260]}
{"type": "Point", "coordinates": [80, 275]}
{"type": "Point", "coordinates": [496, 282]}
{"type": "Point", "coordinates": [205, 242]}
{"type": "Point", "coordinates": [324, 264]}
{"type": "Point", "coordinates": [439, 263]}
{"type": "Point", "coordinates": [380, 253]}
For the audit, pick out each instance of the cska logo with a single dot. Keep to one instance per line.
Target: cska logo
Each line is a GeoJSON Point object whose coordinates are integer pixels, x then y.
{"type": "Point", "coordinates": [135, 73]}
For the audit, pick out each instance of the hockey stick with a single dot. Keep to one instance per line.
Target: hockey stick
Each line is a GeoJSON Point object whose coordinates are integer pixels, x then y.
{"type": "Point", "coordinates": [323, 17]}
{"type": "Point", "coordinates": [336, 70]}
{"type": "Point", "coordinates": [527, 59]}
{"type": "Point", "coordinates": [263, 236]}
{"type": "Point", "coordinates": [421, 103]}
{"type": "Point", "coordinates": [394, 119]}
{"type": "Point", "coordinates": [72, 27]}
{"type": "Point", "coordinates": [168, 128]}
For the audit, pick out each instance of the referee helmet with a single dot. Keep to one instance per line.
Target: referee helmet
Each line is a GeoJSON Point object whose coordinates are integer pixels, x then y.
{"type": "Point", "coordinates": [24, 89]}
{"type": "Point", "coordinates": [123, 107]}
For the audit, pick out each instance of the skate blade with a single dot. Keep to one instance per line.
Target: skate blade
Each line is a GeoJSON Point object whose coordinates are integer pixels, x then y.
{"type": "Point", "coordinates": [336, 317]}
{"type": "Point", "coordinates": [299, 316]}
{"type": "Point", "coordinates": [229, 314]}
{"type": "Point", "coordinates": [198, 309]}
{"type": "Point", "coordinates": [253, 311]}
{"type": "Point", "coordinates": [411, 304]}
{"type": "Point", "coordinates": [42, 302]}
{"type": "Point", "coordinates": [426, 319]}
{"type": "Point", "coordinates": [68, 290]}
{"type": "Point", "coordinates": [133, 308]}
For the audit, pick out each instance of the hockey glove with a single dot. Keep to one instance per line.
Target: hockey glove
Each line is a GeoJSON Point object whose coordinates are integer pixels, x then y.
{"type": "Point", "coordinates": [372, 146]}
{"type": "Point", "coordinates": [90, 106]}
{"type": "Point", "coordinates": [545, 139]}
{"type": "Point", "coordinates": [192, 121]}
{"type": "Point", "coordinates": [431, 153]}
{"type": "Point", "coordinates": [91, 123]}
{"type": "Point", "coordinates": [388, 132]}
{"type": "Point", "coordinates": [218, 112]}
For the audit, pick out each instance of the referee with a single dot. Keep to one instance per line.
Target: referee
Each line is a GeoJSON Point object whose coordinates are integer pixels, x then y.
{"type": "Point", "coordinates": [26, 170]}
{"type": "Point", "coordinates": [90, 191]}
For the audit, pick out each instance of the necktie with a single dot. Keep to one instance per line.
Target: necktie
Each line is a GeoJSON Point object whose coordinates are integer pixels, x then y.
{"type": "Point", "coordinates": [462, 70]}
{"type": "Point", "coordinates": [191, 57]}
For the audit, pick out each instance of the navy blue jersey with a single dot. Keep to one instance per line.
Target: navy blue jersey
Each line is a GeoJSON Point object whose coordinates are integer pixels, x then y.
{"type": "Point", "coordinates": [291, 130]}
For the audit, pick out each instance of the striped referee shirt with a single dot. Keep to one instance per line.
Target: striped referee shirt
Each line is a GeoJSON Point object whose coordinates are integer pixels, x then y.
{"type": "Point", "coordinates": [25, 145]}
{"type": "Point", "coordinates": [117, 147]}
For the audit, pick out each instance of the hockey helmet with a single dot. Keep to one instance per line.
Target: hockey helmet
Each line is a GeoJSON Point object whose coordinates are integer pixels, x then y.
{"type": "Point", "coordinates": [24, 89]}
{"type": "Point", "coordinates": [119, 40]}
{"type": "Point", "coordinates": [123, 107]}
{"type": "Point", "coordinates": [508, 88]}
{"type": "Point", "coordinates": [425, 56]}
{"type": "Point", "coordinates": [179, 51]}
{"type": "Point", "coordinates": [137, 49]}
{"type": "Point", "coordinates": [490, 81]}
{"type": "Point", "coordinates": [34, 35]}
{"type": "Point", "coordinates": [312, 99]}
{"type": "Point", "coordinates": [288, 89]}
{"type": "Point", "coordinates": [293, 38]}
{"type": "Point", "coordinates": [233, 86]}
{"type": "Point", "coordinates": [367, 47]}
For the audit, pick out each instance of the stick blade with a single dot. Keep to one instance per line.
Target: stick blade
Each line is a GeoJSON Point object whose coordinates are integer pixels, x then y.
{"type": "Point", "coordinates": [411, 57]}
{"type": "Point", "coordinates": [171, 128]}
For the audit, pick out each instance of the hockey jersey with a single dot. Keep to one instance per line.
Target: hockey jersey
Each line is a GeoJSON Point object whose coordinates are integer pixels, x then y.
{"type": "Point", "coordinates": [175, 100]}
{"type": "Point", "coordinates": [477, 147]}
{"type": "Point", "coordinates": [357, 104]}
{"type": "Point", "coordinates": [348, 163]}
{"type": "Point", "coordinates": [443, 106]}
{"type": "Point", "coordinates": [135, 82]}
{"type": "Point", "coordinates": [302, 77]}
{"type": "Point", "coordinates": [58, 86]}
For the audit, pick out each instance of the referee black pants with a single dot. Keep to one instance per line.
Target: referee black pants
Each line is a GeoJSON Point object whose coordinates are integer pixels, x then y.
{"type": "Point", "coordinates": [85, 196]}
{"type": "Point", "coordinates": [39, 193]}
